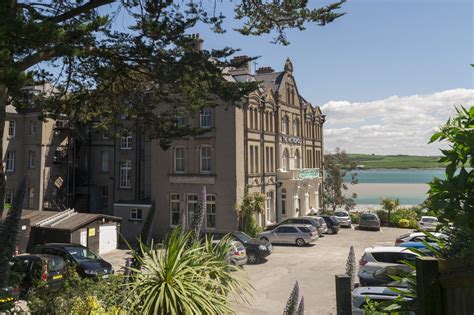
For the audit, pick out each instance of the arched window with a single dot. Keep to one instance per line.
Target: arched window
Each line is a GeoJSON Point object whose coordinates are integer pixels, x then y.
{"type": "Point", "coordinates": [296, 127]}
{"type": "Point", "coordinates": [297, 159]}
{"type": "Point", "coordinates": [284, 124]}
{"type": "Point", "coordinates": [286, 160]}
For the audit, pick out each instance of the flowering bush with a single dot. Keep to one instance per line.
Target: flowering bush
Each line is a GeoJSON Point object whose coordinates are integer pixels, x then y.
{"type": "Point", "coordinates": [7, 302]}
{"type": "Point", "coordinates": [404, 223]}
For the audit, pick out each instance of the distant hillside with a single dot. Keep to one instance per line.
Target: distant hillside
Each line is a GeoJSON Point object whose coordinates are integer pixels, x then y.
{"type": "Point", "coordinates": [396, 161]}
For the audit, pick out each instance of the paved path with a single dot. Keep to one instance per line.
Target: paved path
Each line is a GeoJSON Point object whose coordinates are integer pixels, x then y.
{"type": "Point", "coordinates": [314, 267]}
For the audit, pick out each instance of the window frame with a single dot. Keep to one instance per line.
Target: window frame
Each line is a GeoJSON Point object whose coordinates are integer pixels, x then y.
{"type": "Point", "coordinates": [125, 169]}
{"type": "Point", "coordinates": [208, 159]}
{"type": "Point", "coordinates": [104, 157]}
{"type": "Point", "coordinates": [172, 211]}
{"type": "Point", "coordinates": [10, 161]}
{"type": "Point", "coordinates": [136, 214]}
{"type": "Point", "coordinates": [189, 202]}
{"type": "Point", "coordinates": [33, 127]}
{"type": "Point", "coordinates": [126, 142]}
{"type": "Point", "coordinates": [211, 211]}
{"type": "Point", "coordinates": [205, 116]}
{"type": "Point", "coordinates": [31, 158]}
{"type": "Point", "coordinates": [182, 159]}
{"type": "Point", "coordinates": [11, 129]}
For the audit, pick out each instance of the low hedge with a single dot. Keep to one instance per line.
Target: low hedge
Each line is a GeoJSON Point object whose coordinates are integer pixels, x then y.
{"type": "Point", "coordinates": [355, 216]}
{"type": "Point", "coordinates": [404, 218]}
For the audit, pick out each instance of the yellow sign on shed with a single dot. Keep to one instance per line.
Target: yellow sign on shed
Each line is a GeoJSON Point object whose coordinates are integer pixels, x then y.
{"type": "Point", "coordinates": [91, 232]}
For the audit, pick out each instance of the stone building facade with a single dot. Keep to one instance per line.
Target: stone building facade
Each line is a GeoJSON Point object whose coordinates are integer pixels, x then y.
{"type": "Point", "coordinates": [271, 144]}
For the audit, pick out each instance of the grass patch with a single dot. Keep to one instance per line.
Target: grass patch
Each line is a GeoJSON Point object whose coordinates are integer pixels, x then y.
{"type": "Point", "coordinates": [396, 161]}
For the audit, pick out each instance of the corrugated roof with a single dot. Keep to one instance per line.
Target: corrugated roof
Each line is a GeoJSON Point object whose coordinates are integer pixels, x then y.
{"type": "Point", "coordinates": [78, 220]}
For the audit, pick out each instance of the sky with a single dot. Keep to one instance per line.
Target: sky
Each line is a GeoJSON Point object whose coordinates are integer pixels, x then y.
{"type": "Point", "coordinates": [386, 74]}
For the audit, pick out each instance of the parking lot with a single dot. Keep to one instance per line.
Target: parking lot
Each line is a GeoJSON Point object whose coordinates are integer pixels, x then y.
{"type": "Point", "coordinates": [313, 267]}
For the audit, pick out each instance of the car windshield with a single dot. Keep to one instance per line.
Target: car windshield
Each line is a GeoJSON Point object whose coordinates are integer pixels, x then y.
{"type": "Point", "coordinates": [340, 214]}
{"type": "Point", "coordinates": [369, 217]}
{"type": "Point", "coordinates": [303, 229]}
{"type": "Point", "coordinates": [55, 264]}
{"type": "Point", "coordinates": [244, 238]}
{"type": "Point", "coordinates": [81, 254]}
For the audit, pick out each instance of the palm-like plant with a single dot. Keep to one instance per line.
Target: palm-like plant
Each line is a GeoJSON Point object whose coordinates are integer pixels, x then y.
{"type": "Point", "coordinates": [187, 277]}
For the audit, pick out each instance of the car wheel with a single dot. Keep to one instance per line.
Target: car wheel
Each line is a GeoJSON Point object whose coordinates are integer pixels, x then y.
{"type": "Point", "coordinates": [264, 239]}
{"type": "Point", "coordinates": [300, 242]}
{"type": "Point", "coordinates": [329, 231]}
{"type": "Point", "coordinates": [252, 258]}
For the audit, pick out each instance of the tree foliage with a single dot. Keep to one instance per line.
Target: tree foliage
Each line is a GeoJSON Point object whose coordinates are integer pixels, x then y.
{"type": "Point", "coordinates": [452, 198]}
{"type": "Point", "coordinates": [389, 205]}
{"type": "Point", "coordinates": [336, 166]}
{"type": "Point", "coordinates": [247, 210]}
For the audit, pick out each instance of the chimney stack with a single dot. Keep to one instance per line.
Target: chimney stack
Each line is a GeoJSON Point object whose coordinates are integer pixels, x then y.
{"type": "Point", "coordinates": [242, 62]}
{"type": "Point", "coordinates": [263, 70]}
{"type": "Point", "coordinates": [198, 42]}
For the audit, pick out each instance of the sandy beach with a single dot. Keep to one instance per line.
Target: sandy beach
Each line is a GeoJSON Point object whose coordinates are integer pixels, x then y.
{"type": "Point", "coordinates": [373, 193]}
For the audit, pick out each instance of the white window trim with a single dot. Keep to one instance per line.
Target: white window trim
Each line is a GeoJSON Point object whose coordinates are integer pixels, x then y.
{"type": "Point", "coordinates": [13, 134]}
{"type": "Point", "coordinates": [171, 201]}
{"type": "Point", "coordinates": [201, 170]}
{"type": "Point", "coordinates": [124, 166]}
{"type": "Point", "coordinates": [176, 171]}
{"type": "Point", "coordinates": [213, 214]}
{"type": "Point", "coordinates": [10, 167]}
{"type": "Point", "coordinates": [206, 113]}
{"type": "Point", "coordinates": [135, 211]}
{"type": "Point", "coordinates": [126, 142]}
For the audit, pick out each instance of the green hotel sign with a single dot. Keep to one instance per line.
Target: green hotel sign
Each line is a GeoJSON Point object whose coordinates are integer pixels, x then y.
{"type": "Point", "coordinates": [309, 173]}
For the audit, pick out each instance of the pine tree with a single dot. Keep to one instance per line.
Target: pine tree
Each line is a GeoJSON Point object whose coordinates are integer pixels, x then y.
{"type": "Point", "coordinates": [351, 266]}
{"type": "Point", "coordinates": [9, 232]}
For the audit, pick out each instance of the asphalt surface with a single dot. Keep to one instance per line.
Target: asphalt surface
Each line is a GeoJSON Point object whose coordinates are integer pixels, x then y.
{"type": "Point", "coordinates": [314, 267]}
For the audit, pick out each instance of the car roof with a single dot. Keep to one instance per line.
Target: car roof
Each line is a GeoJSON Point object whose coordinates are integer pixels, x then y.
{"type": "Point", "coordinates": [428, 217]}
{"type": "Point", "coordinates": [415, 234]}
{"type": "Point", "coordinates": [387, 249]}
{"type": "Point", "coordinates": [296, 225]}
{"type": "Point", "coordinates": [305, 217]}
{"type": "Point", "coordinates": [61, 245]}
{"type": "Point", "coordinates": [36, 256]}
{"type": "Point", "coordinates": [374, 290]}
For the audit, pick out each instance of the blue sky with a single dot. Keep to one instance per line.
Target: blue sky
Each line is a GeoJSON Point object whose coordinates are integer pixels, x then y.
{"type": "Point", "coordinates": [386, 74]}
{"type": "Point", "coordinates": [378, 49]}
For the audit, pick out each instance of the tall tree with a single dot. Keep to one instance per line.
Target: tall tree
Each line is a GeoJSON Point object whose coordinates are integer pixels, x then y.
{"type": "Point", "coordinates": [98, 70]}
{"type": "Point", "coordinates": [336, 166]}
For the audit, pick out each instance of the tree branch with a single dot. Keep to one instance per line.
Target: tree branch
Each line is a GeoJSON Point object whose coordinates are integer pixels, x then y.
{"type": "Point", "coordinates": [91, 5]}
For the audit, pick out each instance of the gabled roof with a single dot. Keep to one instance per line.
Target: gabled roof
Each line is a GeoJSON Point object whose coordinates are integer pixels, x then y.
{"type": "Point", "coordinates": [271, 80]}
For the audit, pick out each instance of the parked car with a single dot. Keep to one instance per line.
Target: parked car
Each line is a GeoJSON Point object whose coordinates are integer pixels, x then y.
{"type": "Point", "coordinates": [381, 276]}
{"type": "Point", "coordinates": [332, 224]}
{"type": "Point", "coordinates": [343, 218]}
{"type": "Point", "coordinates": [237, 255]}
{"type": "Point", "coordinates": [376, 294]}
{"type": "Point", "coordinates": [369, 221]}
{"type": "Point", "coordinates": [256, 251]}
{"type": "Point", "coordinates": [418, 237]}
{"type": "Point", "coordinates": [323, 227]}
{"type": "Point", "coordinates": [36, 268]}
{"type": "Point", "coordinates": [298, 220]}
{"type": "Point", "coordinates": [87, 263]}
{"type": "Point", "coordinates": [13, 290]}
{"type": "Point", "coordinates": [375, 258]}
{"type": "Point", "coordinates": [428, 223]}
{"type": "Point", "coordinates": [421, 247]}
{"type": "Point", "coordinates": [299, 234]}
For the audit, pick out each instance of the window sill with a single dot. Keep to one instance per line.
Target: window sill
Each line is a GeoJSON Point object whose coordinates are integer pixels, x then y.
{"type": "Point", "coordinates": [135, 220]}
{"type": "Point", "coordinates": [125, 149]}
{"type": "Point", "coordinates": [125, 188]}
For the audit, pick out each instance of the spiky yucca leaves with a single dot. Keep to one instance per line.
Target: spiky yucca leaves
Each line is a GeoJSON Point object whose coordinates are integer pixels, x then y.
{"type": "Point", "coordinates": [351, 266]}
{"type": "Point", "coordinates": [292, 307]}
{"type": "Point", "coordinates": [9, 232]}
{"type": "Point", "coordinates": [187, 277]}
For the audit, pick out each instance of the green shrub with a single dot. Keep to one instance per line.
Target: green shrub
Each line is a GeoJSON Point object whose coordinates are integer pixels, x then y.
{"type": "Point", "coordinates": [404, 223]}
{"type": "Point", "coordinates": [383, 216]}
{"type": "Point", "coordinates": [407, 214]}
{"type": "Point", "coordinates": [355, 217]}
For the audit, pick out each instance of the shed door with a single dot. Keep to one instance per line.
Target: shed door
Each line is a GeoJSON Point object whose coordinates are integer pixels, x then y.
{"type": "Point", "coordinates": [84, 237]}
{"type": "Point", "coordinates": [107, 238]}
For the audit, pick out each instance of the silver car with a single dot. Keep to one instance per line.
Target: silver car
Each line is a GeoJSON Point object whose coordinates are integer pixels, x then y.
{"type": "Point", "coordinates": [323, 227]}
{"type": "Point", "coordinates": [343, 218]}
{"type": "Point", "coordinates": [299, 234]}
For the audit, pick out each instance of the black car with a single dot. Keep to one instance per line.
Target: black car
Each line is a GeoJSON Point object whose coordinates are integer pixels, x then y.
{"type": "Point", "coordinates": [256, 251]}
{"type": "Point", "coordinates": [332, 223]}
{"type": "Point", "coordinates": [87, 263]}
{"type": "Point", "coordinates": [37, 270]}
{"type": "Point", "coordinates": [298, 220]}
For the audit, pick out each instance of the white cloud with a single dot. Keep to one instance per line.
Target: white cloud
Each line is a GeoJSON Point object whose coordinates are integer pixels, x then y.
{"type": "Point", "coordinates": [395, 125]}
